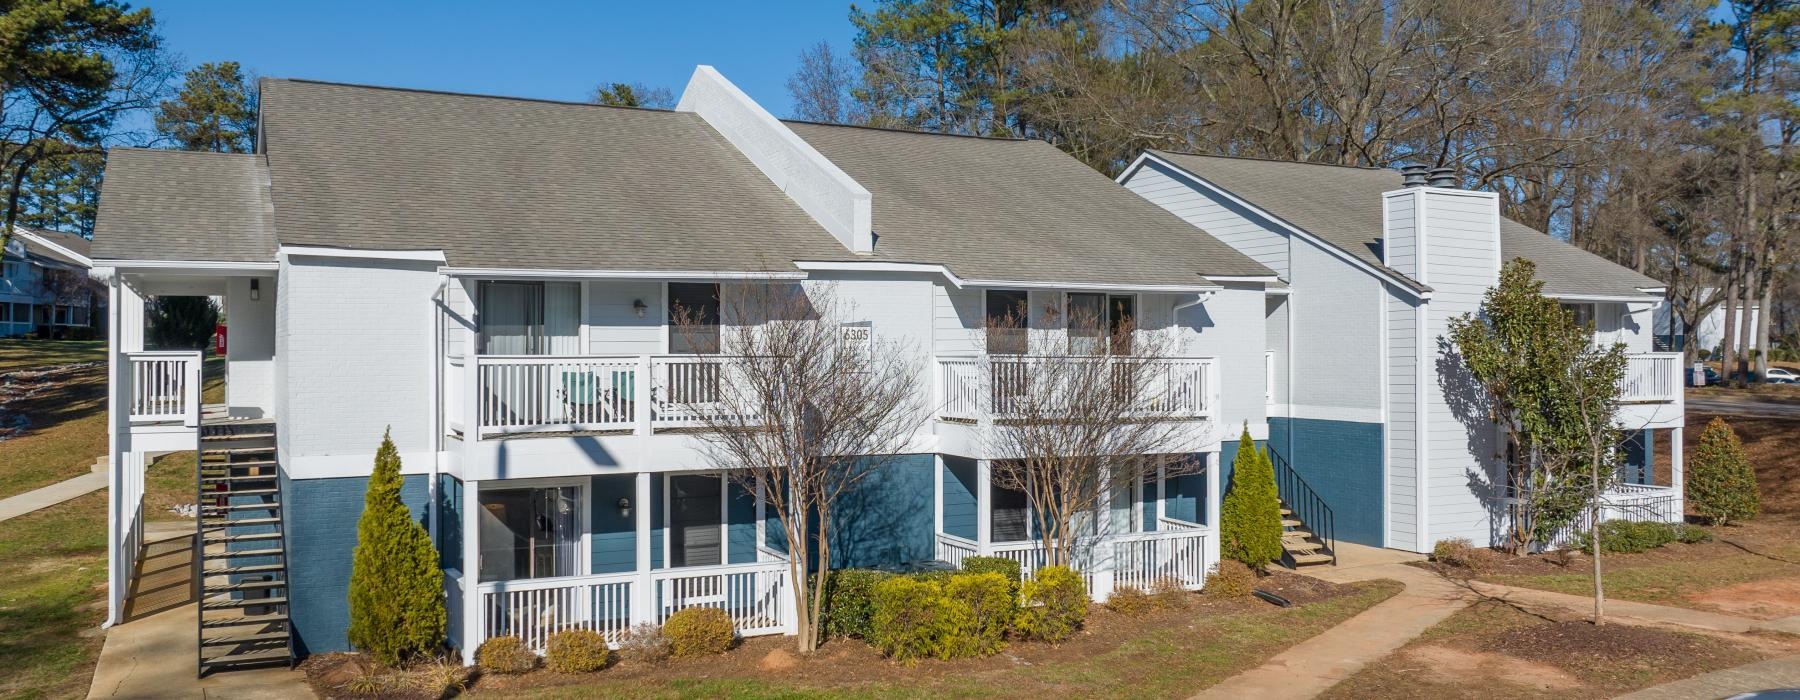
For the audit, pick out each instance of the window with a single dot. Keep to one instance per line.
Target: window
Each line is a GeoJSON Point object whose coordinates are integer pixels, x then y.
{"type": "Point", "coordinates": [1006, 322]}
{"type": "Point", "coordinates": [5, 313]}
{"type": "Point", "coordinates": [12, 270]}
{"type": "Point", "coordinates": [79, 316]}
{"type": "Point", "coordinates": [693, 318]}
{"type": "Point", "coordinates": [1584, 313]}
{"type": "Point", "coordinates": [1090, 313]}
{"type": "Point", "coordinates": [21, 313]}
{"type": "Point", "coordinates": [62, 315]}
{"type": "Point", "coordinates": [529, 318]}
{"type": "Point", "coordinates": [531, 533]}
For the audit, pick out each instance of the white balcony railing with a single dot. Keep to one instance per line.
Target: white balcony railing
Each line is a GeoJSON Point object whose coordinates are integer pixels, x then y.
{"type": "Point", "coordinates": [1176, 552]}
{"type": "Point", "coordinates": [511, 394]}
{"type": "Point", "coordinates": [757, 596]}
{"type": "Point", "coordinates": [1651, 378]}
{"type": "Point", "coordinates": [165, 387]}
{"type": "Point", "coordinates": [972, 387]}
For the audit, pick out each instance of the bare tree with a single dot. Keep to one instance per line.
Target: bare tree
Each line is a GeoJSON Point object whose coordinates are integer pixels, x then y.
{"type": "Point", "coordinates": [1095, 407]}
{"type": "Point", "coordinates": [801, 405]}
{"type": "Point", "coordinates": [821, 87]}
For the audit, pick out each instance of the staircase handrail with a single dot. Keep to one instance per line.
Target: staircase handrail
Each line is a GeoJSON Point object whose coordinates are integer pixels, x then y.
{"type": "Point", "coordinates": [1305, 502]}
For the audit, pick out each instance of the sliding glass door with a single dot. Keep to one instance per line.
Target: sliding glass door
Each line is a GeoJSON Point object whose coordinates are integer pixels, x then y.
{"type": "Point", "coordinates": [529, 318]}
{"type": "Point", "coordinates": [531, 533]}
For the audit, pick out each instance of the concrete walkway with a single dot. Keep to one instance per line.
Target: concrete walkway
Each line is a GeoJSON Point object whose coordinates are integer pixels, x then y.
{"type": "Point", "coordinates": [1311, 667]}
{"type": "Point", "coordinates": [53, 494]}
{"type": "Point", "coordinates": [1783, 672]}
{"type": "Point", "coordinates": [1315, 665]}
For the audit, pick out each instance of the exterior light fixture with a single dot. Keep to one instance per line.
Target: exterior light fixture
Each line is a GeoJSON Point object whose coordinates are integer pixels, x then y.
{"type": "Point", "coordinates": [255, 289]}
{"type": "Point", "coordinates": [639, 307]}
{"type": "Point", "coordinates": [624, 507]}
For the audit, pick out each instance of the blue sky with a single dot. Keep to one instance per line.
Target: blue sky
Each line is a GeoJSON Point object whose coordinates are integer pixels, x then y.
{"type": "Point", "coordinates": [524, 48]}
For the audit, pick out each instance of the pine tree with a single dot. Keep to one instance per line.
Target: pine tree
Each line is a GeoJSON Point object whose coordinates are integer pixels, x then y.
{"type": "Point", "coordinates": [1721, 485]}
{"type": "Point", "coordinates": [396, 590]}
{"type": "Point", "coordinates": [1250, 520]}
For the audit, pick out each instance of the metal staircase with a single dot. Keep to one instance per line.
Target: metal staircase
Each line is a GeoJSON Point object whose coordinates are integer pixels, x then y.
{"type": "Point", "coordinates": [1308, 528]}
{"type": "Point", "coordinates": [241, 575]}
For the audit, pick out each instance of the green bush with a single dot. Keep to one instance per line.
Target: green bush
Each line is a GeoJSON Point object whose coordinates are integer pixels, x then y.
{"type": "Point", "coordinates": [1250, 519]}
{"type": "Point", "coordinates": [1130, 601]}
{"type": "Point", "coordinates": [992, 565]}
{"type": "Point", "coordinates": [1721, 485]}
{"type": "Point", "coordinates": [913, 620]}
{"type": "Point", "coordinates": [1231, 579]}
{"type": "Point", "coordinates": [987, 604]}
{"type": "Point", "coordinates": [1056, 602]}
{"type": "Point", "coordinates": [396, 589]}
{"type": "Point", "coordinates": [576, 651]}
{"type": "Point", "coordinates": [699, 632]}
{"type": "Point", "coordinates": [505, 655]}
{"type": "Point", "coordinates": [850, 601]}
{"type": "Point", "coordinates": [1626, 537]}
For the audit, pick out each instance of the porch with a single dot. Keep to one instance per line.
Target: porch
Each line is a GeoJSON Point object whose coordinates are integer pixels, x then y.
{"type": "Point", "coordinates": [496, 397]}
{"type": "Point", "coordinates": [1652, 377]}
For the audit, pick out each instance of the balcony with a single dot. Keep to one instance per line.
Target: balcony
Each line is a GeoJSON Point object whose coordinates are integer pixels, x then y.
{"type": "Point", "coordinates": [518, 395]}
{"type": "Point", "coordinates": [971, 388]}
{"type": "Point", "coordinates": [1653, 377]}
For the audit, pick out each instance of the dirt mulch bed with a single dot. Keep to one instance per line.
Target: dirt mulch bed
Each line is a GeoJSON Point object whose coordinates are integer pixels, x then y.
{"type": "Point", "coordinates": [339, 675]}
{"type": "Point", "coordinates": [848, 664]}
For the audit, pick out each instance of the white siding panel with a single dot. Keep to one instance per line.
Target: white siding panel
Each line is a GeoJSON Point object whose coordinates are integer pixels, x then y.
{"type": "Point", "coordinates": [613, 324]}
{"type": "Point", "coordinates": [1228, 326]}
{"type": "Point", "coordinates": [1239, 228]}
{"type": "Point", "coordinates": [1337, 329]}
{"type": "Point", "coordinates": [1275, 322]}
{"type": "Point", "coordinates": [958, 317]}
{"type": "Point", "coordinates": [1402, 416]}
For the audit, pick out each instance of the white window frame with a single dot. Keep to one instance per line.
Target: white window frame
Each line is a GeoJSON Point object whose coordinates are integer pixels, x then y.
{"type": "Point", "coordinates": [724, 517]}
{"type": "Point", "coordinates": [584, 513]}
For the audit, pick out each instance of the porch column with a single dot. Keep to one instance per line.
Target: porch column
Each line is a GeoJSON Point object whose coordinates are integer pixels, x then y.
{"type": "Point", "coordinates": [1676, 480]}
{"type": "Point", "coordinates": [1162, 483]}
{"type": "Point", "coordinates": [473, 626]}
{"type": "Point", "coordinates": [984, 505]}
{"type": "Point", "coordinates": [1212, 508]}
{"type": "Point", "coordinates": [643, 605]}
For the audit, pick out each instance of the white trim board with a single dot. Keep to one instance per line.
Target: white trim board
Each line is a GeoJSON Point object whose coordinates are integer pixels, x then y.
{"type": "Point", "coordinates": [526, 273]}
{"type": "Point", "coordinates": [1333, 413]}
{"type": "Point", "coordinates": [47, 243]}
{"type": "Point", "coordinates": [424, 255]}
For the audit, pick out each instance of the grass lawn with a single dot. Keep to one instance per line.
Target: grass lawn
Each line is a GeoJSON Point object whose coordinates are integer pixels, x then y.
{"type": "Point", "coordinates": [52, 598]}
{"type": "Point", "coordinates": [1170, 653]}
{"type": "Point", "coordinates": [16, 353]}
{"type": "Point", "coordinates": [1493, 650]}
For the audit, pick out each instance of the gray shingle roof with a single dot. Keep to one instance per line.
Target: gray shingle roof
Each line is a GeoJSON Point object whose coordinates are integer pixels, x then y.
{"type": "Point", "coordinates": [69, 241]}
{"type": "Point", "coordinates": [1342, 206]}
{"type": "Point", "coordinates": [1007, 209]}
{"type": "Point", "coordinates": [510, 183]}
{"type": "Point", "coordinates": [181, 205]}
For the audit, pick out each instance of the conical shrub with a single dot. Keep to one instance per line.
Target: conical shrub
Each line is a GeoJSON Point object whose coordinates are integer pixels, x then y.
{"type": "Point", "coordinates": [1250, 518]}
{"type": "Point", "coordinates": [396, 590]}
{"type": "Point", "coordinates": [1721, 485]}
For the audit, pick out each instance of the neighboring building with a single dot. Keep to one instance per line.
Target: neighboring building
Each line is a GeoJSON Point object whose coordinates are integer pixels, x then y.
{"type": "Point", "coordinates": [44, 287]}
{"type": "Point", "coordinates": [1708, 333]}
{"type": "Point", "coordinates": [490, 278]}
{"type": "Point", "coordinates": [1369, 405]}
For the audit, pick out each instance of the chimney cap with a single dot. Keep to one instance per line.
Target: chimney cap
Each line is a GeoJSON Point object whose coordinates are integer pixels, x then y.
{"type": "Point", "coordinates": [1444, 176]}
{"type": "Point", "coordinates": [1412, 176]}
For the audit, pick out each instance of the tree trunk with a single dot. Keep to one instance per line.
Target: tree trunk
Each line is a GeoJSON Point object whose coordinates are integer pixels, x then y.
{"type": "Point", "coordinates": [1728, 342]}
{"type": "Point", "coordinates": [1764, 306]}
{"type": "Point", "coordinates": [1594, 542]}
{"type": "Point", "coordinates": [1746, 317]}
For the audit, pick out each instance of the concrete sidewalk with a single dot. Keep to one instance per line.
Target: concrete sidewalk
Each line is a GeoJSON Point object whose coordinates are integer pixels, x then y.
{"type": "Point", "coordinates": [1311, 667]}
{"type": "Point", "coordinates": [53, 494]}
{"type": "Point", "coordinates": [1771, 674]}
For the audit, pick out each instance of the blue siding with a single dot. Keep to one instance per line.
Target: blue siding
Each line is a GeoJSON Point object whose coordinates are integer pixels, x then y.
{"type": "Point", "coordinates": [1640, 459]}
{"type": "Point", "coordinates": [613, 534]}
{"type": "Point", "coordinates": [960, 491]}
{"type": "Point", "coordinates": [1185, 497]}
{"type": "Point", "coordinates": [740, 519]}
{"type": "Point", "coordinates": [656, 522]}
{"type": "Point", "coordinates": [320, 516]}
{"type": "Point", "coordinates": [449, 534]}
{"type": "Point", "coordinates": [1341, 460]}
{"type": "Point", "coordinates": [887, 518]}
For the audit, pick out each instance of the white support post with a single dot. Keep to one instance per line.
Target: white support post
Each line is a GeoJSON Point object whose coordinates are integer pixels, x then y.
{"type": "Point", "coordinates": [471, 388]}
{"type": "Point", "coordinates": [190, 391]}
{"type": "Point", "coordinates": [937, 497]}
{"type": "Point", "coordinates": [984, 506]}
{"type": "Point", "coordinates": [473, 626]}
{"type": "Point", "coordinates": [1212, 506]}
{"type": "Point", "coordinates": [1676, 479]}
{"type": "Point", "coordinates": [762, 518]}
{"type": "Point", "coordinates": [642, 391]}
{"type": "Point", "coordinates": [643, 603]}
{"type": "Point", "coordinates": [1162, 494]}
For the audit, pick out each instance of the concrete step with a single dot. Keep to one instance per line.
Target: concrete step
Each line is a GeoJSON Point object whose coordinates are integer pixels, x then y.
{"type": "Point", "coordinates": [1290, 522]}
{"type": "Point", "coordinates": [1310, 559]}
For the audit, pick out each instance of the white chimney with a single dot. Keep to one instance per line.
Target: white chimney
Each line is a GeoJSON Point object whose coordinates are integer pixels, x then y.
{"type": "Point", "coordinates": [840, 204]}
{"type": "Point", "coordinates": [1442, 237]}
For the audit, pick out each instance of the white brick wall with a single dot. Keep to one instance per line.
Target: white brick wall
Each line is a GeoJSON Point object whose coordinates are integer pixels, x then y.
{"type": "Point", "coordinates": [358, 355]}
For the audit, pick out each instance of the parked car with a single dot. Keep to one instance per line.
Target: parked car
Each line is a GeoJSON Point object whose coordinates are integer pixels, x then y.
{"type": "Point", "coordinates": [1778, 375]}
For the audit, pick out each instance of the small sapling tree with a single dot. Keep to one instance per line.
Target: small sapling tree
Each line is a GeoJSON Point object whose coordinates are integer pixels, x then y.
{"type": "Point", "coordinates": [396, 590]}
